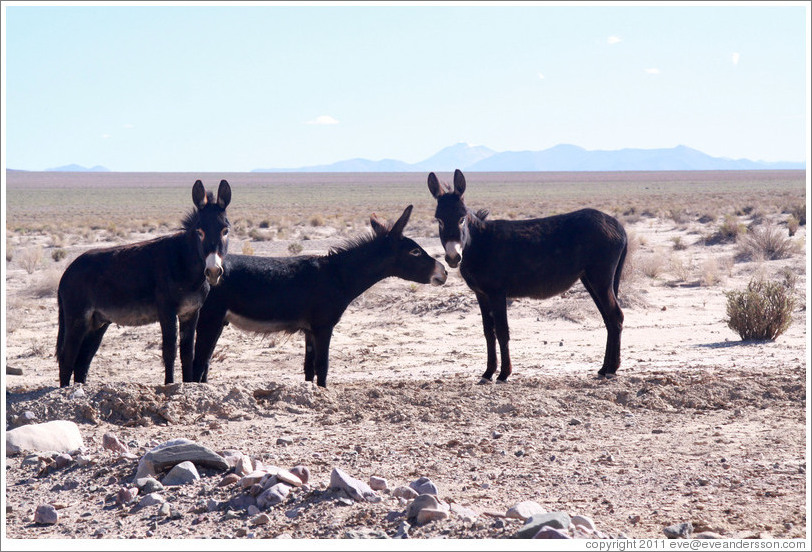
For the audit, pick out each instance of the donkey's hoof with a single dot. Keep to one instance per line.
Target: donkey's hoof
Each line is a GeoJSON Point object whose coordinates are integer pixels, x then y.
{"type": "Point", "coordinates": [484, 381]}
{"type": "Point", "coordinates": [501, 380]}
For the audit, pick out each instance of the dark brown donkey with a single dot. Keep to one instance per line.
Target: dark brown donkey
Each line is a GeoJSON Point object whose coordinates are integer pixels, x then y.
{"type": "Point", "coordinates": [163, 280]}
{"type": "Point", "coordinates": [531, 258]}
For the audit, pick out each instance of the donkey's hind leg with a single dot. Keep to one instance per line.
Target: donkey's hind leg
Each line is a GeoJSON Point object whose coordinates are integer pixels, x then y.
{"type": "Point", "coordinates": [187, 345]}
{"type": "Point", "coordinates": [310, 357]}
{"type": "Point", "coordinates": [602, 291]}
{"type": "Point", "coordinates": [90, 344]}
{"type": "Point", "coordinates": [74, 335]}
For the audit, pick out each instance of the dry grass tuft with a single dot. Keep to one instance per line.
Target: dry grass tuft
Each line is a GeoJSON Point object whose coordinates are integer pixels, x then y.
{"type": "Point", "coordinates": [30, 258]}
{"type": "Point", "coordinates": [765, 243]}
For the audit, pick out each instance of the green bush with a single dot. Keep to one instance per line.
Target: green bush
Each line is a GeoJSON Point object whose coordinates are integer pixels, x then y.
{"type": "Point", "coordinates": [763, 311]}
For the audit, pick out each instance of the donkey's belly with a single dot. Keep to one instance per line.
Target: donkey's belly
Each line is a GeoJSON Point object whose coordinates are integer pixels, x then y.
{"type": "Point", "coordinates": [264, 326]}
{"type": "Point", "coordinates": [137, 316]}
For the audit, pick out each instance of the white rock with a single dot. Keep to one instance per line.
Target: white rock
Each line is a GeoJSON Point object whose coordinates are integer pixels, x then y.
{"type": "Point", "coordinates": [243, 465]}
{"type": "Point", "coordinates": [59, 436]}
{"type": "Point", "coordinates": [424, 485]}
{"type": "Point", "coordinates": [583, 521]}
{"type": "Point", "coordinates": [523, 510]}
{"type": "Point", "coordinates": [378, 483]}
{"type": "Point", "coordinates": [253, 478]}
{"type": "Point", "coordinates": [182, 474]}
{"type": "Point", "coordinates": [406, 493]}
{"type": "Point", "coordinates": [151, 499]}
{"type": "Point", "coordinates": [355, 489]}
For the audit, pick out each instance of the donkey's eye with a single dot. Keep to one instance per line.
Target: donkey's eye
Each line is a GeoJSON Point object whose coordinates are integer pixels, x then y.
{"type": "Point", "coordinates": [415, 252]}
{"type": "Point", "coordinates": [201, 234]}
{"type": "Point", "coordinates": [462, 220]}
{"type": "Point", "coordinates": [224, 233]}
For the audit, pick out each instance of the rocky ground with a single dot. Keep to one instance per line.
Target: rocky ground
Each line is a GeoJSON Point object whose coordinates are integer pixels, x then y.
{"type": "Point", "coordinates": [699, 428]}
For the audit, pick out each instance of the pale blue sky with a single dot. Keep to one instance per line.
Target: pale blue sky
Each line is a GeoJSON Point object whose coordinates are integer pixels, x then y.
{"type": "Point", "coordinates": [234, 88]}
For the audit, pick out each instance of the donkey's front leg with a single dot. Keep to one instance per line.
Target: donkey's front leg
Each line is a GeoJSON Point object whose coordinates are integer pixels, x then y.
{"type": "Point", "coordinates": [187, 345]}
{"type": "Point", "coordinates": [321, 354]}
{"type": "Point", "coordinates": [168, 319]}
{"type": "Point", "coordinates": [499, 310]}
{"type": "Point", "coordinates": [490, 336]}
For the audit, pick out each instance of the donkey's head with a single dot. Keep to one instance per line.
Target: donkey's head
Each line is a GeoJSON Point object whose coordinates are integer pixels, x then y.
{"type": "Point", "coordinates": [410, 261]}
{"type": "Point", "coordinates": [450, 214]}
{"type": "Point", "coordinates": [209, 226]}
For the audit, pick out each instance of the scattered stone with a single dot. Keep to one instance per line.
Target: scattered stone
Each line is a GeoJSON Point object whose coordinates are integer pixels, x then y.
{"type": "Point", "coordinates": [378, 483]}
{"type": "Point", "coordinates": [58, 435]}
{"type": "Point", "coordinates": [466, 514]}
{"type": "Point", "coordinates": [556, 520]}
{"type": "Point", "coordinates": [126, 495]}
{"type": "Point", "coordinates": [78, 394]}
{"type": "Point", "coordinates": [288, 477]}
{"type": "Point", "coordinates": [242, 502]}
{"type": "Point", "coordinates": [708, 535]}
{"type": "Point", "coordinates": [172, 453]}
{"type": "Point", "coordinates": [424, 486]}
{"type": "Point", "coordinates": [575, 421]}
{"type": "Point", "coordinates": [403, 530]}
{"type": "Point", "coordinates": [302, 473]}
{"type": "Point", "coordinates": [273, 496]}
{"type": "Point", "coordinates": [14, 371]}
{"type": "Point", "coordinates": [83, 460]}
{"type": "Point", "coordinates": [212, 505]}
{"type": "Point", "coordinates": [164, 510]}
{"type": "Point", "coordinates": [46, 514]}
{"type": "Point", "coordinates": [404, 492]}
{"type": "Point", "coordinates": [148, 485]}
{"type": "Point", "coordinates": [253, 510]}
{"type": "Point", "coordinates": [111, 442]}
{"type": "Point", "coordinates": [229, 479]}
{"type": "Point", "coordinates": [261, 519]}
{"type": "Point", "coordinates": [355, 489]}
{"type": "Point", "coordinates": [243, 465]}
{"type": "Point", "coordinates": [421, 502]}
{"type": "Point", "coordinates": [62, 460]}
{"type": "Point", "coordinates": [150, 500]}
{"type": "Point", "coordinates": [182, 474]}
{"type": "Point", "coordinates": [253, 478]}
{"type": "Point", "coordinates": [551, 533]}
{"type": "Point", "coordinates": [430, 514]}
{"type": "Point", "coordinates": [284, 441]}
{"type": "Point", "coordinates": [583, 521]}
{"type": "Point", "coordinates": [255, 489]}
{"type": "Point", "coordinates": [679, 530]}
{"type": "Point", "coordinates": [241, 532]}
{"type": "Point", "coordinates": [525, 509]}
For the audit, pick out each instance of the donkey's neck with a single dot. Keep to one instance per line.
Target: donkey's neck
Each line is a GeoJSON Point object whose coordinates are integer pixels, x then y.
{"type": "Point", "coordinates": [360, 267]}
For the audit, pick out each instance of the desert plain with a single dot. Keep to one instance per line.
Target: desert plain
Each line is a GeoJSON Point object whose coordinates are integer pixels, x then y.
{"type": "Point", "coordinates": [699, 426]}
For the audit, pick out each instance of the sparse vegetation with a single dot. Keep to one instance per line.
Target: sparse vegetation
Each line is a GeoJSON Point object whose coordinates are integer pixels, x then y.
{"type": "Point", "coordinates": [30, 258]}
{"type": "Point", "coordinates": [764, 243]}
{"type": "Point", "coordinates": [792, 225]}
{"type": "Point", "coordinates": [316, 220]}
{"type": "Point", "coordinates": [247, 249]}
{"type": "Point", "coordinates": [679, 245]}
{"type": "Point", "coordinates": [58, 254]}
{"type": "Point", "coordinates": [762, 312]}
{"type": "Point", "coordinates": [295, 248]}
{"type": "Point", "coordinates": [728, 231]}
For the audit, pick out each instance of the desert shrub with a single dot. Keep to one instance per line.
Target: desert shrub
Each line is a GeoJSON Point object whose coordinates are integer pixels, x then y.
{"type": "Point", "coordinates": [316, 220]}
{"type": "Point", "coordinates": [763, 311]}
{"type": "Point", "coordinates": [652, 265]}
{"type": "Point", "coordinates": [728, 231]}
{"type": "Point", "coordinates": [799, 212]}
{"type": "Point", "coordinates": [58, 254]}
{"type": "Point", "coordinates": [295, 248]}
{"type": "Point", "coordinates": [678, 215]}
{"type": "Point", "coordinates": [258, 235]}
{"type": "Point", "coordinates": [792, 225]}
{"type": "Point", "coordinates": [764, 243]}
{"type": "Point", "coordinates": [709, 272]}
{"type": "Point", "coordinates": [30, 258]}
{"type": "Point", "coordinates": [705, 218]}
{"type": "Point", "coordinates": [679, 245]}
{"type": "Point", "coordinates": [265, 224]}
{"type": "Point", "coordinates": [247, 249]}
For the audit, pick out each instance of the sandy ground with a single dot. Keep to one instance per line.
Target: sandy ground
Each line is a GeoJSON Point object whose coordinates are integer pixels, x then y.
{"type": "Point", "coordinates": [698, 426]}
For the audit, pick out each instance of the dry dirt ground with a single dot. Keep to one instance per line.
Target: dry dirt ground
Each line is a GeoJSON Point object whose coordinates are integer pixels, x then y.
{"type": "Point", "coordinates": [698, 426]}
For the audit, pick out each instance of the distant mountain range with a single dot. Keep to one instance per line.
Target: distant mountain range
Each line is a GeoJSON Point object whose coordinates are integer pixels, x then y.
{"type": "Point", "coordinates": [563, 157]}
{"type": "Point", "coordinates": [78, 168]}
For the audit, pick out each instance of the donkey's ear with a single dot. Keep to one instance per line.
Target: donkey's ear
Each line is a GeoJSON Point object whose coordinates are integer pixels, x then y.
{"type": "Point", "coordinates": [223, 194]}
{"type": "Point", "coordinates": [377, 226]}
{"type": "Point", "coordinates": [397, 228]}
{"type": "Point", "coordinates": [199, 195]}
{"type": "Point", "coordinates": [434, 185]}
{"type": "Point", "coordinates": [459, 183]}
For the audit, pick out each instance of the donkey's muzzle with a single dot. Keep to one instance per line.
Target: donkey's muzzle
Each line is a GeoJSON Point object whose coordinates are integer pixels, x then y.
{"type": "Point", "coordinates": [453, 253]}
{"type": "Point", "coordinates": [438, 277]}
{"type": "Point", "coordinates": [214, 269]}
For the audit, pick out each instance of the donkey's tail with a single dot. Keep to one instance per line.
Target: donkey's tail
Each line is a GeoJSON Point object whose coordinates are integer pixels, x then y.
{"type": "Point", "coordinates": [619, 270]}
{"type": "Point", "coordinates": [60, 336]}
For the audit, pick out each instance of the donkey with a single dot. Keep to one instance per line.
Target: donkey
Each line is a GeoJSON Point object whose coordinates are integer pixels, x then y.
{"type": "Point", "coordinates": [308, 293]}
{"type": "Point", "coordinates": [162, 280]}
{"type": "Point", "coordinates": [531, 258]}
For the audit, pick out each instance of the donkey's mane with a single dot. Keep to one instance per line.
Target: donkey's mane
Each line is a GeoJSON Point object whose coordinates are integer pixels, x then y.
{"type": "Point", "coordinates": [355, 243]}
